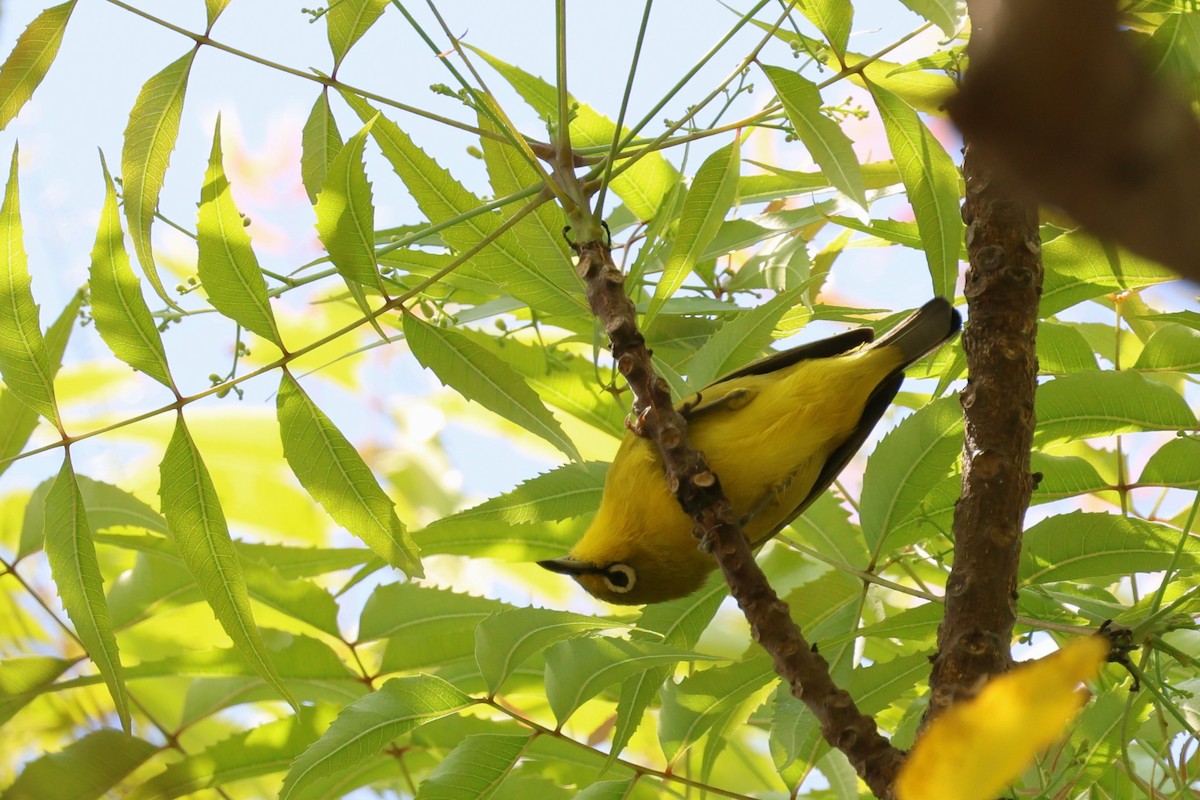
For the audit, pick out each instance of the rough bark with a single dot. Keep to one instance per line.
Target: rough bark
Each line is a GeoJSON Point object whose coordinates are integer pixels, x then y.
{"type": "Point", "coordinates": [1003, 285]}
{"type": "Point", "coordinates": [1063, 103]}
{"type": "Point", "coordinates": [699, 492]}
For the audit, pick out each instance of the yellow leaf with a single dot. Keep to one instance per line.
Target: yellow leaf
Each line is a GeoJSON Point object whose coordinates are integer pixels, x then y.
{"type": "Point", "coordinates": [977, 748]}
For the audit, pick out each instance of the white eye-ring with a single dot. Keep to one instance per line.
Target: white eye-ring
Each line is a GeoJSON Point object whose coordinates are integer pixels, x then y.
{"type": "Point", "coordinates": [621, 578]}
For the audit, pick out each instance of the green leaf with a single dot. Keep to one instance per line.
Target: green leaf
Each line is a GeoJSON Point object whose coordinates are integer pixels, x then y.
{"type": "Point", "coordinates": [1062, 349]}
{"type": "Point", "coordinates": [780, 183]}
{"type": "Point", "coordinates": [1064, 476]}
{"type": "Point", "coordinates": [506, 639]}
{"type": "Point", "coordinates": [1172, 348]}
{"type": "Point", "coordinates": [227, 267]}
{"type": "Point", "coordinates": [833, 19]}
{"type": "Point", "coordinates": [824, 139]}
{"type": "Point", "coordinates": [701, 701]}
{"type": "Point", "coordinates": [367, 725]}
{"type": "Point", "coordinates": [122, 317]}
{"type": "Point", "coordinates": [23, 678]}
{"type": "Point", "coordinates": [475, 769]}
{"type": "Point", "coordinates": [1102, 403]}
{"type": "Point", "coordinates": [579, 669]}
{"type": "Point", "coordinates": [30, 59]}
{"type": "Point", "coordinates": [346, 214]}
{"type": "Point", "coordinates": [149, 139]}
{"type": "Point", "coordinates": [332, 471]}
{"type": "Point", "coordinates": [88, 768]}
{"type": "Point", "coordinates": [552, 288]}
{"type": "Point", "coordinates": [1079, 546]}
{"type": "Point", "coordinates": [906, 465]}
{"type": "Point", "coordinates": [825, 526]}
{"type": "Point", "coordinates": [347, 21]}
{"type": "Point", "coordinates": [931, 181]}
{"type": "Point", "coordinates": [712, 194]}
{"type": "Point", "coordinates": [107, 506]}
{"type": "Point", "coordinates": [1080, 268]}
{"type": "Point", "coordinates": [320, 143]}
{"type": "Point", "coordinates": [739, 340]}
{"type": "Point", "coordinates": [76, 573]}
{"type": "Point", "coordinates": [571, 490]}
{"type": "Point", "coordinates": [1175, 464]}
{"type": "Point", "coordinates": [18, 420]}
{"type": "Point", "coordinates": [24, 362]}
{"type": "Point", "coordinates": [214, 8]}
{"type": "Point", "coordinates": [946, 14]}
{"type": "Point", "coordinates": [197, 524]}
{"type": "Point", "coordinates": [478, 375]}
{"type": "Point", "coordinates": [424, 627]}
{"type": "Point", "coordinates": [261, 750]}
{"type": "Point", "coordinates": [502, 540]}
{"type": "Point", "coordinates": [643, 187]}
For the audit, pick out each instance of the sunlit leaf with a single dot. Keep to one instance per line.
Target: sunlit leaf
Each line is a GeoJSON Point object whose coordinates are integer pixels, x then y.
{"type": "Point", "coordinates": [424, 627]}
{"type": "Point", "coordinates": [24, 362]}
{"type": "Point", "coordinates": [346, 214]}
{"type": "Point", "coordinates": [475, 768]}
{"type": "Point", "coordinates": [694, 705]}
{"type": "Point", "coordinates": [366, 726]}
{"type": "Point", "coordinates": [320, 143]}
{"type": "Point", "coordinates": [1106, 402]}
{"type": "Point", "coordinates": [121, 314]}
{"type": "Point", "coordinates": [86, 769]}
{"type": "Point", "coordinates": [946, 14]}
{"type": "Point", "coordinates": [478, 375]}
{"type": "Point", "coordinates": [1176, 463]}
{"type": "Point", "coordinates": [1080, 545]}
{"type": "Point", "coordinates": [739, 340]}
{"type": "Point", "coordinates": [824, 139]}
{"type": "Point", "coordinates": [505, 639]}
{"type": "Point", "coordinates": [567, 491]}
{"type": "Point", "coordinates": [347, 21]}
{"type": "Point", "coordinates": [197, 524]}
{"type": "Point", "coordinates": [1172, 348]}
{"type": "Point", "coordinates": [931, 180]}
{"type": "Point", "coordinates": [149, 139]}
{"type": "Point", "coordinates": [30, 59]}
{"type": "Point", "coordinates": [329, 468]}
{"type": "Point", "coordinates": [712, 194]}
{"type": "Point", "coordinates": [1080, 268]}
{"type": "Point", "coordinates": [22, 678]}
{"type": "Point", "coordinates": [227, 267]}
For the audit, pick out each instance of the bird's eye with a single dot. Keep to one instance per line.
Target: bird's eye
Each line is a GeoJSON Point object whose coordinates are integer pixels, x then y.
{"type": "Point", "coordinates": [620, 578]}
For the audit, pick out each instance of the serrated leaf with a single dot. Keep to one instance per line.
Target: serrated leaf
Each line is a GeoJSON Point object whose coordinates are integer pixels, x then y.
{"type": "Point", "coordinates": [931, 182]}
{"type": "Point", "coordinates": [502, 540]}
{"type": "Point", "coordinates": [478, 375]}
{"type": "Point", "coordinates": [320, 143]}
{"type": "Point", "coordinates": [475, 768]}
{"type": "Point", "coordinates": [578, 669]}
{"type": "Point", "coordinates": [825, 526]}
{"type": "Point", "coordinates": [261, 750]}
{"type": "Point", "coordinates": [347, 21]}
{"type": "Point", "coordinates": [24, 363]}
{"type": "Point", "coordinates": [332, 471]}
{"type": "Point", "coordinates": [824, 139]}
{"type": "Point", "coordinates": [346, 214]}
{"type": "Point", "coordinates": [1080, 268]}
{"type": "Point", "coordinates": [122, 317]}
{"type": "Point", "coordinates": [76, 573]}
{"type": "Point", "coordinates": [1175, 464]}
{"type": "Point", "coordinates": [548, 287]}
{"type": "Point", "coordinates": [506, 639]}
{"type": "Point", "coordinates": [197, 525]}
{"type": "Point", "coordinates": [643, 187]}
{"type": "Point", "coordinates": [149, 139]}
{"type": "Point", "coordinates": [367, 725]}
{"type": "Point", "coordinates": [425, 628]}
{"type": "Point", "coordinates": [107, 506]}
{"type": "Point", "coordinates": [739, 340]}
{"type": "Point", "coordinates": [712, 194]}
{"type": "Point", "coordinates": [907, 463]}
{"type": "Point", "coordinates": [226, 264]}
{"type": "Point", "coordinates": [571, 490]}
{"type": "Point", "coordinates": [1172, 348]}
{"type": "Point", "coordinates": [1062, 349]}
{"type": "Point", "coordinates": [23, 678]}
{"type": "Point", "coordinates": [1102, 403]}
{"type": "Point", "coordinates": [700, 701]}
{"type": "Point", "coordinates": [18, 420]}
{"type": "Point", "coordinates": [30, 59]}
{"type": "Point", "coordinates": [832, 18]}
{"type": "Point", "coordinates": [84, 770]}
{"type": "Point", "coordinates": [1081, 545]}
{"type": "Point", "coordinates": [946, 14]}
{"type": "Point", "coordinates": [780, 183]}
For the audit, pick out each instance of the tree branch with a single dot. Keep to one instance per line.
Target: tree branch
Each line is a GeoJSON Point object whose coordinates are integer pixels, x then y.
{"type": "Point", "coordinates": [699, 493]}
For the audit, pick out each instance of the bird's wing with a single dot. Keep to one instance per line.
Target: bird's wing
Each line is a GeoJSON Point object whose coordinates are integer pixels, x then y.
{"type": "Point", "coordinates": [839, 458]}
{"type": "Point", "coordinates": [822, 348]}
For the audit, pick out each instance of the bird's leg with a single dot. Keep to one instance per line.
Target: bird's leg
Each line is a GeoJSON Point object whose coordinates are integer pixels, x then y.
{"type": "Point", "coordinates": [738, 398]}
{"type": "Point", "coordinates": [772, 497]}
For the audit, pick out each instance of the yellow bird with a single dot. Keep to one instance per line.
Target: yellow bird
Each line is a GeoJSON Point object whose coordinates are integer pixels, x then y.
{"type": "Point", "coordinates": [776, 432]}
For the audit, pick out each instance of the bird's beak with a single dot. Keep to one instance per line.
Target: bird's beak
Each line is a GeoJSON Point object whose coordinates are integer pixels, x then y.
{"type": "Point", "coordinates": [566, 566]}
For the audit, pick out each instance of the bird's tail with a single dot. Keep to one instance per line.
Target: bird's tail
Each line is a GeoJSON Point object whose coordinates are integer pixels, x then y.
{"type": "Point", "coordinates": [923, 331]}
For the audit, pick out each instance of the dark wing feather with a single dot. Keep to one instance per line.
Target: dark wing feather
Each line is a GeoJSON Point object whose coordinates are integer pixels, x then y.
{"type": "Point", "coordinates": [839, 458]}
{"type": "Point", "coordinates": [822, 348]}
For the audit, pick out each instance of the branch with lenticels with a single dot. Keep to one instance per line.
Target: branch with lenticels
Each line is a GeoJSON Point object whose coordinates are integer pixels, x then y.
{"type": "Point", "coordinates": [699, 492]}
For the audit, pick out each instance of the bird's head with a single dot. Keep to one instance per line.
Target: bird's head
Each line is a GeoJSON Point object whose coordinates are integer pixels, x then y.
{"type": "Point", "coordinates": [628, 573]}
